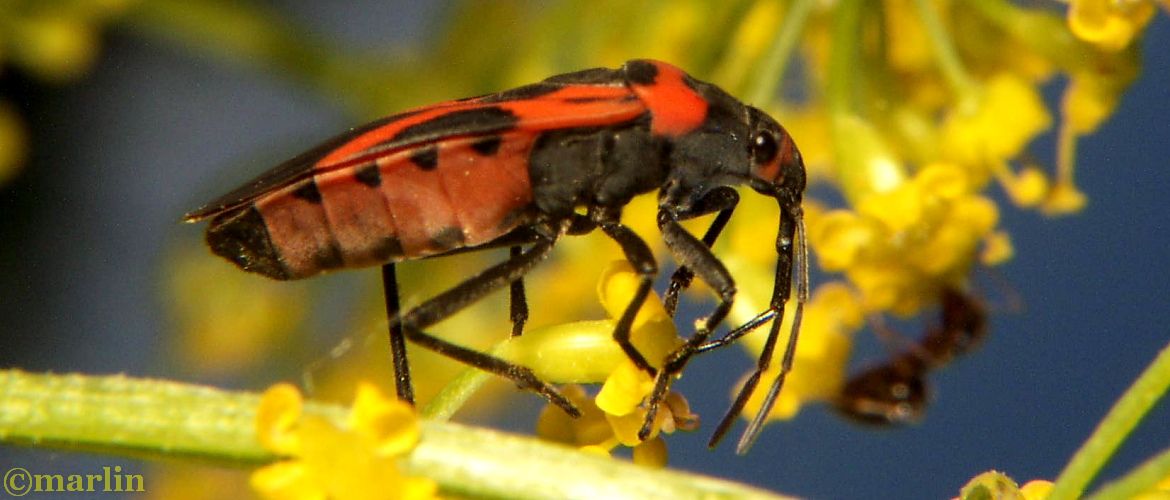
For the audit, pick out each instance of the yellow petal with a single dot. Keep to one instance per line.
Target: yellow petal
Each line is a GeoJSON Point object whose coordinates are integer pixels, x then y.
{"type": "Point", "coordinates": [390, 423]}
{"type": "Point", "coordinates": [276, 416]}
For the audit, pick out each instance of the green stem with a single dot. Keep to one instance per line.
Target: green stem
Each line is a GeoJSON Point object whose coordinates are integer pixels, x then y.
{"type": "Point", "coordinates": [1138, 481]}
{"type": "Point", "coordinates": [776, 61]}
{"type": "Point", "coordinates": [948, 59]}
{"type": "Point", "coordinates": [455, 394]}
{"type": "Point", "coordinates": [1113, 429]}
{"type": "Point", "coordinates": [160, 418]}
{"type": "Point", "coordinates": [842, 60]}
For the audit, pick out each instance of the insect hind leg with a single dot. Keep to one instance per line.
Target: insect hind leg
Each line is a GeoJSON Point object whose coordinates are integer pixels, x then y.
{"type": "Point", "coordinates": [398, 358]}
{"type": "Point", "coordinates": [722, 200]}
{"type": "Point", "coordinates": [468, 292]}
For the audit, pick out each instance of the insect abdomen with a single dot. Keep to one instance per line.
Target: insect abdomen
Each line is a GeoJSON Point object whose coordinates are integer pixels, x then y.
{"type": "Point", "coordinates": [418, 202]}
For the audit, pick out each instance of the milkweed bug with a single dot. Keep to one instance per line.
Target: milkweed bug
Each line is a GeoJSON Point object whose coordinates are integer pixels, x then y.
{"type": "Point", "coordinates": [512, 169]}
{"type": "Point", "coordinates": [896, 392]}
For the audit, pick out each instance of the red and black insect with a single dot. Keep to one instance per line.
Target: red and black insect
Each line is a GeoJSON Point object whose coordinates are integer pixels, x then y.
{"type": "Point", "coordinates": [511, 170]}
{"type": "Point", "coordinates": [896, 393]}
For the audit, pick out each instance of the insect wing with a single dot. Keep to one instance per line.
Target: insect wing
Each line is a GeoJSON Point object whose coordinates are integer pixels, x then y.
{"type": "Point", "coordinates": [530, 110]}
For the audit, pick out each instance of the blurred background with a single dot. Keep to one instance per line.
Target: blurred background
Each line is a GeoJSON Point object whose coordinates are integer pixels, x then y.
{"type": "Point", "coordinates": [118, 116]}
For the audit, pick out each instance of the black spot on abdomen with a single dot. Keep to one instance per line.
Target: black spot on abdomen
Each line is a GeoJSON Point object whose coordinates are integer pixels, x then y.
{"type": "Point", "coordinates": [447, 239]}
{"type": "Point", "coordinates": [487, 146]}
{"type": "Point", "coordinates": [308, 191]}
{"type": "Point", "coordinates": [369, 175]}
{"type": "Point", "coordinates": [426, 158]}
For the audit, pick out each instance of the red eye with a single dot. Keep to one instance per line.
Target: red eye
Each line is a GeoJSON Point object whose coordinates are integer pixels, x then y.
{"type": "Point", "coordinates": [764, 148]}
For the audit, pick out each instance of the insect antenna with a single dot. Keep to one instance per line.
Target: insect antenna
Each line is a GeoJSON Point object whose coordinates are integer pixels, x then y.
{"type": "Point", "coordinates": [792, 254]}
{"type": "Point", "coordinates": [757, 424]}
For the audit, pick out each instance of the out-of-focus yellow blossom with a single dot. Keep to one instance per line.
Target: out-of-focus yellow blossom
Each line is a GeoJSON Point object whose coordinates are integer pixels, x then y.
{"type": "Point", "coordinates": [994, 125]}
{"type": "Point", "coordinates": [997, 249]}
{"type": "Point", "coordinates": [1160, 491]}
{"type": "Point", "coordinates": [909, 44]}
{"type": "Point", "coordinates": [831, 317]}
{"type": "Point", "coordinates": [228, 331]}
{"type": "Point", "coordinates": [1109, 24]}
{"type": "Point", "coordinates": [900, 246]}
{"type": "Point", "coordinates": [13, 142]}
{"type": "Point", "coordinates": [358, 461]}
{"type": "Point", "coordinates": [865, 164]}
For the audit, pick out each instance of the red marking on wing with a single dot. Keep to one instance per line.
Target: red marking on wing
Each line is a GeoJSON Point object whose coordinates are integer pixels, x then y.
{"type": "Point", "coordinates": [676, 107]}
{"type": "Point", "coordinates": [574, 105]}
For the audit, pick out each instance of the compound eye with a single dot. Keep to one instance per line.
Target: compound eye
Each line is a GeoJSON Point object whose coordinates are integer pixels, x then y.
{"type": "Point", "coordinates": [764, 148]}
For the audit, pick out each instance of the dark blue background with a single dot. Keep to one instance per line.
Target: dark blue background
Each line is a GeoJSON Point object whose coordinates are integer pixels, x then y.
{"type": "Point", "coordinates": [118, 156]}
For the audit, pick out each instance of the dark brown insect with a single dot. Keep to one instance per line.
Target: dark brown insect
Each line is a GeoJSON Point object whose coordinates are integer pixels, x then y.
{"type": "Point", "coordinates": [896, 393]}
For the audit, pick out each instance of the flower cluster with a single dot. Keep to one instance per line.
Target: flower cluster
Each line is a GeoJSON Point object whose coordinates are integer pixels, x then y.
{"type": "Point", "coordinates": [357, 461]}
{"type": "Point", "coordinates": [914, 111]}
{"type": "Point", "coordinates": [584, 352]}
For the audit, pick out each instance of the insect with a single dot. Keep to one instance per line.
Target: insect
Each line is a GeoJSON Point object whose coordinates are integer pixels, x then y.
{"type": "Point", "coordinates": [521, 169]}
{"type": "Point", "coordinates": [895, 393]}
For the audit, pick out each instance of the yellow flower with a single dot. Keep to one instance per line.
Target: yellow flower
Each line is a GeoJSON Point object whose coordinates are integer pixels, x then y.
{"type": "Point", "coordinates": [1109, 24]}
{"type": "Point", "coordinates": [901, 244]}
{"type": "Point", "coordinates": [1036, 489]}
{"type": "Point", "coordinates": [357, 461]}
{"type": "Point", "coordinates": [599, 432]}
{"type": "Point", "coordinates": [584, 352]}
{"type": "Point", "coordinates": [995, 124]}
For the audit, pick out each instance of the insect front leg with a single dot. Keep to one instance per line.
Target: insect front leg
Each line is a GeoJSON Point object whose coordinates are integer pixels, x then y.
{"type": "Point", "coordinates": [468, 292]}
{"type": "Point", "coordinates": [694, 254]}
{"type": "Point", "coordinates": [516, 298]}
{"type": "Point", "coordinates": [722, 200]}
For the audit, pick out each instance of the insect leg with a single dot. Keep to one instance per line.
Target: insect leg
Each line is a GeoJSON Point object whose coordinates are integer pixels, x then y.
{"type": "Point", "coordinates": [640, 256]}
{"type": "Point", "coordinates": [397, 340]}
{"type": "Point", "coordinates": [790, 247]}
{"type": "Point", "coordinates": [516, 298]}
{"type": "Point", "coordinates": [468, 292]}
{"type": "Point", "coordinates": [722, 200]}
{"type": "Point", "coordinates": [693, 254]}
